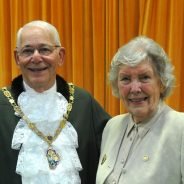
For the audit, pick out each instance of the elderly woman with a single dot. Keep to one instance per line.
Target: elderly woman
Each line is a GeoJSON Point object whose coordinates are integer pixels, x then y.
{"type": "Point", "coordinates": [145, 145]}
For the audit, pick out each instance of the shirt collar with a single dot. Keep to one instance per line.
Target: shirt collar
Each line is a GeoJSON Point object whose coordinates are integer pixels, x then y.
{"type": "Point", "coordinates": [29, 89]}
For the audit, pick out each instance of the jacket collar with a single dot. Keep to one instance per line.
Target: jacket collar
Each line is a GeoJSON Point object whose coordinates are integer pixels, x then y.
{"type": "Point", "coordinates": [17, 86]}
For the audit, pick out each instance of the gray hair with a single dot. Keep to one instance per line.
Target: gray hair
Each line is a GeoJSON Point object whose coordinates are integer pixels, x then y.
{"type": "Point", "coordinates": [41, 24]}
{"type": "Point", "coordinates": [140, 49]}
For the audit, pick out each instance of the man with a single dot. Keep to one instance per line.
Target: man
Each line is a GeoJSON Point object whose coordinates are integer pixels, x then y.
{"type": "Point", "coordinates": [50, 130]}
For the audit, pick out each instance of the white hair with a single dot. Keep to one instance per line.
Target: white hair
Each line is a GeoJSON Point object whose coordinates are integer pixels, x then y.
{"type": "Point", "coordinates": [42, 24]}
{"type": "Point", "coordinates": [140, 49]}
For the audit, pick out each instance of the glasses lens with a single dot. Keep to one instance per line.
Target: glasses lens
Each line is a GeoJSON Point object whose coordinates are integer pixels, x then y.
{"type": "Point", "coordinates": [26, 52]}
{"type": "Point", "coordinates": [44, 50]}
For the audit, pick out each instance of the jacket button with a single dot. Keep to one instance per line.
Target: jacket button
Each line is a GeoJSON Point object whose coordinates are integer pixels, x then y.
{"type": "Point", "coordinates": [145, 158]}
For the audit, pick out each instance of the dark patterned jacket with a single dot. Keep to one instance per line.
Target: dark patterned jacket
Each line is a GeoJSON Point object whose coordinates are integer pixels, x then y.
{"type": "Point", "coordinates": [87, 117]}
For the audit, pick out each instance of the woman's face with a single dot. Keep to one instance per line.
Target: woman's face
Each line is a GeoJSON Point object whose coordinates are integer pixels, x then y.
{"type": "Point", "coordinates": [140, 89]}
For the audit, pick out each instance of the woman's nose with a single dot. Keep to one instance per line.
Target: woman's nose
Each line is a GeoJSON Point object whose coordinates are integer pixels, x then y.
{"type": "Point", "coordinates": [135, 87]}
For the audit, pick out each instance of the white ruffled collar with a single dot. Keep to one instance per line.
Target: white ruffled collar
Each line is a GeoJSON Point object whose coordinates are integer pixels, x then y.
{"type": "Point", "coordinates": [46, 111]}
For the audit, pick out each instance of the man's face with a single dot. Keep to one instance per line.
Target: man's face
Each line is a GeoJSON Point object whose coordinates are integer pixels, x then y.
{"type": "Point", "coordinates": [38, 66]}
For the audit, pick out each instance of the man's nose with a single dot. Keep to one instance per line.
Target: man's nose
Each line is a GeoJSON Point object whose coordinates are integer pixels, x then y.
{"type": "Point", "coordinates": [36, 56]}
{"type": "Point", "coordinates": [36, 52]}
{"type": "Point", "coordinates": [135, 86]}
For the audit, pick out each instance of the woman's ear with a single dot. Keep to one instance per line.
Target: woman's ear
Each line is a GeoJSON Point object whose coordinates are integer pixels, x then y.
{"type": "Point", "coordinates": [162, 88]}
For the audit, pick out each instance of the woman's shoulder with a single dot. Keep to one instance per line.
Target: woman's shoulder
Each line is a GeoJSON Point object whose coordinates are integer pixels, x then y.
{"type": "Point", "coordinates": [119, 118]}
{"type": "Point", "coordinates": [174, 114]}
{"type": "Point", "coordinates": [118, 121]}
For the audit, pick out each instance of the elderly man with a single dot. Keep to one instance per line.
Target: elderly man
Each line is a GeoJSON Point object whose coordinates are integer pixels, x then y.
{"type": "Point", "coordinates": [50, 130]}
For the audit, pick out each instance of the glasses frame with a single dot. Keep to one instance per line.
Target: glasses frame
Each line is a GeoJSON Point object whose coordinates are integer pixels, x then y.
{"type": "Point", "coordinates": [28, 55]}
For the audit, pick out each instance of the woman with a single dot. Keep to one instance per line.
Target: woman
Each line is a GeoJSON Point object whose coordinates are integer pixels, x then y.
{"type": "Point", "coordinates": [145, 145]}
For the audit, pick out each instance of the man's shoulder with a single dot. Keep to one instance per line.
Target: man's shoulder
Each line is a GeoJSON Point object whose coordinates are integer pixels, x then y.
{"type": "Point", "coordinates": [81, 93]}
{"type": "Point", "coordinates": [86, 99]}
{"type": "Point", "coordinates": [3, 98]}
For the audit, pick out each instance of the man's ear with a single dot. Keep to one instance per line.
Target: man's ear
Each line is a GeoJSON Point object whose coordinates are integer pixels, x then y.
{"type": "Point", "coordinates": [16, 57]}
{"type": "Point", "coordinates": [61, 56]}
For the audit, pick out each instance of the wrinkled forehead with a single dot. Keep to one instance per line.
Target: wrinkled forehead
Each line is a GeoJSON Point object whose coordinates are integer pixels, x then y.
{"type": "Point", "coordinates": [32, 35]}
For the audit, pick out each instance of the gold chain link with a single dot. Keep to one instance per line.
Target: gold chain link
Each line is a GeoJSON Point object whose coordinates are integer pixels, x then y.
{"type": "Point", "coordinates": [49, 139]}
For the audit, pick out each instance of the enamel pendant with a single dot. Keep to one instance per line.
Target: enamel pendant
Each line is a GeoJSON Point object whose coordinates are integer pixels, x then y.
{"type": "Point", "coordinates": [52, 157]}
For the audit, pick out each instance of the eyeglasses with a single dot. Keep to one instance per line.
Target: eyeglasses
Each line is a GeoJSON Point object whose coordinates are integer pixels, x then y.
{"type": "Point", "coordinates": [44, 50]}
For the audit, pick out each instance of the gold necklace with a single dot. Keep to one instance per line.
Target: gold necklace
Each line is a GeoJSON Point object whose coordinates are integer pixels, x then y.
{"type": "Point", "coordinates": [51, 154]}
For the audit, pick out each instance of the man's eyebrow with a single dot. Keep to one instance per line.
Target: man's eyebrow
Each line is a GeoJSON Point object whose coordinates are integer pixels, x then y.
{"type": "Point", "coordinates": [39, 45]}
